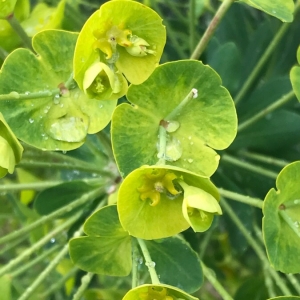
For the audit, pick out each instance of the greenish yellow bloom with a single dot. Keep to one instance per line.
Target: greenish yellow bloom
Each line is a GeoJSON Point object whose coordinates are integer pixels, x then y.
{"type": "Point", "coordinates": [109, 37]}
{"type": "Point", "coordinates": [155, 183]}
{"type": "Point", "coordinates": [199, 207]}
{"type": "Point", "coordinates": [10, 149]}
{"type": "Point", "coordinates": [155, 293]}
{"type": "Point", "coordinates": [103, 83]}
{"type": "Point", "coordinates": [139, 47]}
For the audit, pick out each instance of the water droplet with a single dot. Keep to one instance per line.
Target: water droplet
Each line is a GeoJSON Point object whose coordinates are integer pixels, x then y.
{"type": "Point", "coordinates": [82, 59]}
{"type": "Point", "coordinates": [61, 105]}
{"type": "Point", "coordinates": [31, 121]}
{"type": "Point", "coordinates": [297, 201]}
{"type": "Point", "coordinates": [173, 149]}
{"type": "Point", "coordinates": [140, 260]}
{"type": "Point", "coordinates": [52, 240]}
{"type": "Point", "coordinates": [296, 223]}
{"type": "Point", "coordinates": [68, 128]}
{"type": "Point", "coordinates": [172, 126]}
{"type": "Point", "coordinates": [190, 137]}
{"type": "Point", "coordinates": [15, 95]}
{"type": "Point", "coordinates": [150, 264]}
{"type": "Point", "coordinates": [56, 99]}
{"type": "Point", "coordinates": [190, 160]}
{"type": "Point", "coordinates": [64, 152]}
{"type": "Point", "coordinates": [101, 105]}
{"type": "Point", "coordinates": [27, 93]}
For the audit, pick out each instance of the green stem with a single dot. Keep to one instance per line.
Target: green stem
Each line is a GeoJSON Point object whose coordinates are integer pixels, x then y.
{"type": "Point", "coordinates": [85, 280]}
{"type": "Point", "coordinates": [37, 245]}
{"type": "Point", "coordinates": [215, 283]}
{"type": "Point", "coordinates": [161, 155]}
{"type": "Point", "coordinates": [54, 262]}
{"type": "Point", "coordinates": [36, 95]}
{"type": "Point", "coordinates": [135, 264]}
{"type": "Point", "coordinates": [211, 28]}
{"type": "Point", "coordinates": [37, 186]}
{"type": "Point", "coordinates": [192, 17]}
{"type": "Point", "coordinates": [58, 284]}
{"type": "Point", "coordinates": [148, 261]}
{"type": "Point", "coordinates": [11, 245]}
{"type": "Point", "coordinates": [262, 61]}
{"type": "Point", "coordinates": [33, 262]}
{"type": "Point", "coordinates": [290, 222]}
{"type": "Point", "coordinates": [264, 158]}
{"type": "Point", "coordinates": [268, 281]}
{"type": "Point", "coordinates": [248, 166]}
{"type": "Point", "coordinates": [26, 229]}
{"type": "Point", "coordinates": [3, 54]}
{"type": "Point", "coordinates": [14, 23]}
{"type": "Point", "coordinates": [291, 278]}
{"type": "Point", "coordinates": [283, 100]}
{"type": "Point", "coordinates": [62, 166]}
{"type": "Point", "coordinates": [253, 243]}
{"type": "Point", "coordinates": [205, 242]}
{"type": "Point", "coordinates": [241, 198]}
{"type": "Point", "coordinates": [177, 110]}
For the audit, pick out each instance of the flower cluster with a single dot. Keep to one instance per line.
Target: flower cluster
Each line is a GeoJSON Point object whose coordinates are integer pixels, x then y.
{"type": "Point", "coordinates": [117, 46]}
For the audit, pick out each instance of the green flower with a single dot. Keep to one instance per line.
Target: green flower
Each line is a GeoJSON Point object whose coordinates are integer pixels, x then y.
{"type": "Point", "coordinates": [157, 292]}
{"type": "Point", "coordinates": [159, 201]}
{"type": "Point", "coordinates": [102, 83]}
{"type": "Point", "coordinates": [10, 149]}
{"type": "Point", "coordinates": [125, 35]}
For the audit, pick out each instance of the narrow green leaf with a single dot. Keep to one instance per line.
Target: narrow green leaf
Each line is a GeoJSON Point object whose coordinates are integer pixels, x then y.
{"type": "Point", "coordinates": [295, 76]}
{"type": "Point", "coordinates": [176, 263]}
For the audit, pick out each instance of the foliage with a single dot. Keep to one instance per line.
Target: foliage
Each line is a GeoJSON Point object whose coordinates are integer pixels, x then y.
{"type": "Point", "coordinates": [135, 135]}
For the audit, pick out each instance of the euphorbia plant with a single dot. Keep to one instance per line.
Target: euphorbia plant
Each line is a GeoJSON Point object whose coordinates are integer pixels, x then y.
{"type": "Point", "coordinates": [141, 198]}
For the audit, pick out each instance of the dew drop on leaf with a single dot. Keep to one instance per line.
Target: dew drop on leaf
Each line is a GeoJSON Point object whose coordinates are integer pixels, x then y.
{"type": "Point", "coordinates": [68, 128]}
{"type": "Point", "coordinates": [173, 149]}
{"type": "Point", "coordinates": [172, 126]}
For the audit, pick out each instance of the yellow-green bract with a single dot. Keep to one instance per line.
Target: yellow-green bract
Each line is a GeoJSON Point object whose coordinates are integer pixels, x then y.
{"type": "Point", "coordinates": [155, 202]}
{"type": "Point", "coordinates": [125, 35]}
{"type": "Point", "coordinates": [10, 149]}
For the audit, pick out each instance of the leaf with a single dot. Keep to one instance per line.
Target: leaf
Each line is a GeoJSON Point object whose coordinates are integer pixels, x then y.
{"type": "Point", "coordinates": [206, 122]}
{"type": "Point", "coordinates": [7, 8]}
{"type": "Point", "coordinates": [60, 195]}
{"type": "Point", "coordinates": [281, 221]}
{"type": "Point", "coordinates": [106, 250]}
{"type": "Point", "coordinates": [157, 291]}
{"type": "Point", "coordinates": [54, 122]}
{"type": "Point", "coordinates": [144, 220]}
{"type": "Point", "coordinates": [283, 10]}
{"type": "Point", "coordinates": [285, 298]}
{"type": "Point", "coordinates": [10, 148]}
{"type": "Point", "coordinates": [122, 15]}
{"type": "Point", "coordinates": [295, 76]}
{"type": "Point", "coordinates": [176, 263]}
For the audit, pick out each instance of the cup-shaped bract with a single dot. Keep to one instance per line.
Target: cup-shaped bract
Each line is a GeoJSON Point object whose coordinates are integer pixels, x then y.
{"type": "Point", "coordinates": [10, 149]}
{"type": "Point", "coordinates": [123, 34]}
{"type": "Point", "coordinates": [150, 201]}
{"type": "Point", "coordinates": [158, 292]}
{"type": "Point", "coordinates": [102, 83]}
{"type": "Point", "coordinates": [199, 207]}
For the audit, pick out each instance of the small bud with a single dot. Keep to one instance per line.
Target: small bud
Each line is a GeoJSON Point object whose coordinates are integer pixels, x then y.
{"type": "Point", "coordinates": [139, 47]}
{"type": "Point", "coordinates": [100, 81]}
